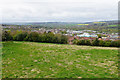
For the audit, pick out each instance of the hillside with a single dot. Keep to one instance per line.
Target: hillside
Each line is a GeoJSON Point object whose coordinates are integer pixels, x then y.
{"type": "Point", "coordinates": [45, 60]}
{"type": "Point", "coordinates": [108, 26]}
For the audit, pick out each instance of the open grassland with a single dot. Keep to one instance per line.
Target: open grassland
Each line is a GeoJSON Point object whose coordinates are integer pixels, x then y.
{"type": "Point", "coordinates": [45, 60]}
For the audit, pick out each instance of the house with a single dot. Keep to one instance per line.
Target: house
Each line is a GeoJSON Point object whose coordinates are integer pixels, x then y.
{"type": "Point", "coordinates": [100, 39]}
{"type": "Point", "coordinates": [88, 35]}
{"type": "Point", "coordinates": [72, 38]}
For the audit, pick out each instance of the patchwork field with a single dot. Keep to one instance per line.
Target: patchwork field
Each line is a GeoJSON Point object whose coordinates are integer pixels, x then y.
{"type": "Point", "coordinates": [45, 60]}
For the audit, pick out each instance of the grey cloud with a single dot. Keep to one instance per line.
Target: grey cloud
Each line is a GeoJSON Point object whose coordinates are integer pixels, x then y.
{"type": "Point", "coordinates": [59, 11]}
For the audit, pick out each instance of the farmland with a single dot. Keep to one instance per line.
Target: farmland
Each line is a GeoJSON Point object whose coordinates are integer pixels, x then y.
{"type": "Point", "coordinates": [46, 60]}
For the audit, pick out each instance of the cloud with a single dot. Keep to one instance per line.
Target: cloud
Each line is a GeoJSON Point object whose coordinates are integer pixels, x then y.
{"type": "Point", "coordinates": [58, 10]}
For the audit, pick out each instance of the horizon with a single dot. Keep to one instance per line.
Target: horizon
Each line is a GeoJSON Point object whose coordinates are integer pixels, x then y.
{"type": "Point", "coordinates": [54, 22]}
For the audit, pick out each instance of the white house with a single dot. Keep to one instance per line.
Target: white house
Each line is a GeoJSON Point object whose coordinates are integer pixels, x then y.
{"type": "Point", "coordinates": [87, 35]}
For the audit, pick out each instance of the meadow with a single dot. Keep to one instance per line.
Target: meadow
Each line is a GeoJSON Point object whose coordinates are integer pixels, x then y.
{"type": "Point", "coordinates": [47, 60]}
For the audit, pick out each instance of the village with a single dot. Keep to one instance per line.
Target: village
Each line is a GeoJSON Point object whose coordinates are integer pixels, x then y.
{"type": "Point", "coordinates": [72, 34]}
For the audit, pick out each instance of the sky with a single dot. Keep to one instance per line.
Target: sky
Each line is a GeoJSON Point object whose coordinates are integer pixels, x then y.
{"type": "Point", "coordinates": [58, 10]}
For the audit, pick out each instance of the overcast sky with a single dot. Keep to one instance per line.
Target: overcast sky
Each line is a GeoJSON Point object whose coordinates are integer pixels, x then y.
{"type": "Point", "coordinates": [58, 10]}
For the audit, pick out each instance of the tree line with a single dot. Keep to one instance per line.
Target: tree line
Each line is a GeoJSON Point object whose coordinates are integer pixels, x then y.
{"type": "Point", "coordinates": [34, 37]}
{"type": "Point", "coordinates": [97, 42]}
{"type": "Point", "coordinates": [53, 38]}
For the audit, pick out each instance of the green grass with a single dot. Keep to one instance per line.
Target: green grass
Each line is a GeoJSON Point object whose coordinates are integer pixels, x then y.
{"type": "Point", "coordinates": [112, 25]}
{"type": "Point", "coordinates": [45, 60]}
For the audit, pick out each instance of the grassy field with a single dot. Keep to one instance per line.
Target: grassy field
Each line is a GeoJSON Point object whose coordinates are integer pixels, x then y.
{"type": "Point", "coordinates": [112, 25]}
{"type": "Point", "coordinates": [45, 60]}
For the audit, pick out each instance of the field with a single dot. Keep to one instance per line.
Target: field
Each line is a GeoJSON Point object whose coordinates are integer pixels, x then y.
{"type": "Point", "coordinates": [112, 25]}
{"type": "Point", "coordinates": [45, 60]}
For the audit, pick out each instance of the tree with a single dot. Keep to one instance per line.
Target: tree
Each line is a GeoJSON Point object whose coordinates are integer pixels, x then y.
{"type": "Point", "coordinates": [87, 42]}
{"type": "Point", "coordinates": [95, 42]}
{"type": "Point", "coordinates": [115, 44]}
{"type": "Point", "coordinates": [101, 43]}
{"type": "Point", "coordinates": [75, 41]}
{"type": "Point", "coordinates": [64, 39]}
{"type": "Point", "coordinates": [81, 42]}
{"type": "Point", "coordinates": [6, 36]}
{"type": "Point", "coordinates": [57, 38]}
{"type": "Point", "coordinates": [63, 32]}
{"type": "Point", "coordinates": [33, 36]}
{"type": "Point", "coordinates": [20, 36]}
{"type": "Point", "coordinates": [99, 36]}
{"type": "Point", "coordinates": [107, 44]}
{"type": "Point", "coordinates": [49, 37]}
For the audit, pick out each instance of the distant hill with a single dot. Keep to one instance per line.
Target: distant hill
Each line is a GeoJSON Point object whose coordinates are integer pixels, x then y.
{"type": "Point", "coordinates": [56, 23]}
